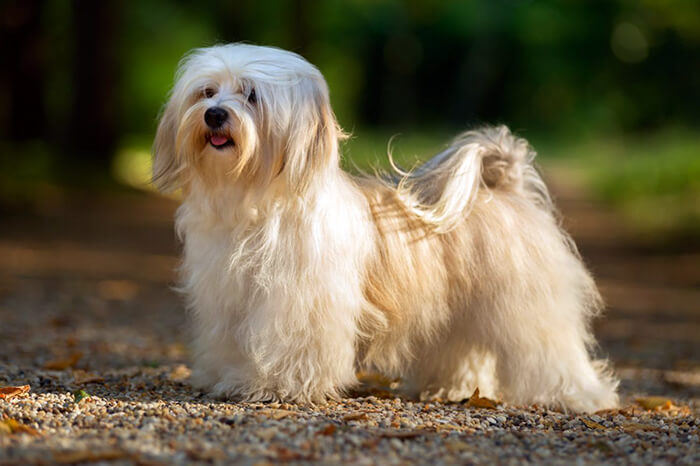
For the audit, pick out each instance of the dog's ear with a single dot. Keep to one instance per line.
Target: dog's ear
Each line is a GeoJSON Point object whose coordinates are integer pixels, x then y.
{"type": "Point", "coordinates": [166, 164]}
{"type": "Point", "coordinates": [313, 135]}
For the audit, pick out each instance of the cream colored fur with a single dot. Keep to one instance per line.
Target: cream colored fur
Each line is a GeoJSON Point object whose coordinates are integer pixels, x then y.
{"type": "Point", "coordinates": [297, 274]}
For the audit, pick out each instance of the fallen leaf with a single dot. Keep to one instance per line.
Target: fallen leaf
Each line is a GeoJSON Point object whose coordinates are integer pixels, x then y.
{"type": "Point", "coordinates": [602, 446]}
{"type": "Point", "coordinates": [635, 427]}
{"type": "Point", "coordinates": [329, 429]}
{"type": "Point", "coordinates": [592, 424]}
{"type": "Point", "coordinates": [355, 417]}
{"type": "Point", "coordinates": [88, 456]}
{"type": "Point", "coordinates": [180, 372]}
{"type": "Point", "coordinates": [117, 290]}
{"type": "Point", "coordinates": [609, 412]}
{"type": "Point", "coordinates": [80, 395]}
{"type": "Point", "coordinates": [457, 446]}
{"type": "Point", "coordinates": [371, 378]}
{"type": "Point", "coordinates": [13, 426]}
{"type": "Point", "coordinates": [448, 427]}
{"type": "Point", "coordinates": [65, 363]}
{"type": "Point", "coordinates": [370, 443]}
{"type": "Point", "coordinates": [286, 455]}
{"type": "Point", "coordinates": [276, 414]}
{"type": "Point", "coordinates": [267, 433]}
{"type": "Point", "coordinates": [10, 392]}
{"type": "Point", "coordinates": [212, 455]}
{"type": "Point", "coordinates": [4, 428]}
{"type": "Point", "coordinates": [81, 377]}
{"type": "Point", "coordinates": [475, 401]}
{"type": "Point", "coordinates": [375, 385]}
{"type": "Point", "coordinates": [654, 403]}
{"type": "Point", "coordinates": [402, 433]}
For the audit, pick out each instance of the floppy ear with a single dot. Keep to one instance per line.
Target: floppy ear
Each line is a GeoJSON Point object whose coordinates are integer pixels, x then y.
{"type": "Point", "coordinates": [166, 164]}
{"type": "Point", "coordinates": [313, 135]}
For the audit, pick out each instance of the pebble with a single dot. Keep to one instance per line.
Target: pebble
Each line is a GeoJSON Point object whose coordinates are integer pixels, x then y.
{"type": "Point", "coordinates": [143, 410]}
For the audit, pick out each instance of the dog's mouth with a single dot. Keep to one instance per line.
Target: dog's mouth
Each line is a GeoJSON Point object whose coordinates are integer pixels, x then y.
{"type": "Point", "coordinates": [219, 141]}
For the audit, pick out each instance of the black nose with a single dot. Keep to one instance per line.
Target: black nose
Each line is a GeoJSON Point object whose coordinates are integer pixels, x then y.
{"type": "Point", "coordinates": [215, 117]}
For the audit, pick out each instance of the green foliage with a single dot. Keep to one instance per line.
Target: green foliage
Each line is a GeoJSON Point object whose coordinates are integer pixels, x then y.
{"type": "Point", "coordinates": [652, 179]}
{"type": "Point", "coordinates": [617, 73]}
{"type": "Point", "coordinates": [160, 34]}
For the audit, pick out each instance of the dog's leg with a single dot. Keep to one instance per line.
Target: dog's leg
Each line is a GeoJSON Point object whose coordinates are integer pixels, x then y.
{"type": "Point", "coordinates": [549, 364]}
{"type": "Point", "coordinates": [291, 350]}
{"type": "Point", "coordinates": [454, 375]}
{"type": "Point", "coordinates": [536, 321]}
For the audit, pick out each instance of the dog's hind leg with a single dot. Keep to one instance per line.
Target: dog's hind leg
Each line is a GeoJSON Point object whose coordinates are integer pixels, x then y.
{"type": "Point", "coordinates": [454, 374]}
{"type": "Point", "coordinates": [534, 312]}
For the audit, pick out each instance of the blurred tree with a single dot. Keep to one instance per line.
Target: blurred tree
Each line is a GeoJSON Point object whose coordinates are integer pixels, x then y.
{"type": "Point", "coordinates": [95, 113]}
{"type": "Point", "coordinates": [302, 26]}
{"type": "Point", "coordinates": [23, 51]}
{"type": "Point", "coordinates": [86, 73]}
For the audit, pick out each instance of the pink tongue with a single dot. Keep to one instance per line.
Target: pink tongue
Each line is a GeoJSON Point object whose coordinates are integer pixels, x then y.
{"type": "Point", "coordinates": [218, 140]}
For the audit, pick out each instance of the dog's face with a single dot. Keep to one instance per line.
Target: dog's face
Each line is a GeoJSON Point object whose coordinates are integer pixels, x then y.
{"type": "Point", "coordinates": [245, 114]}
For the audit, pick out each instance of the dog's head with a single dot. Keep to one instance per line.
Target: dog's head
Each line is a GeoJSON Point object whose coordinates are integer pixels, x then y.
{"type": "Point", "coordinates": [246, 114]}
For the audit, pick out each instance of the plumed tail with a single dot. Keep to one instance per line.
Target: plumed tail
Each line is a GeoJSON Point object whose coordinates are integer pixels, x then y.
{"type": "Point", "coordinates": [443, 190]}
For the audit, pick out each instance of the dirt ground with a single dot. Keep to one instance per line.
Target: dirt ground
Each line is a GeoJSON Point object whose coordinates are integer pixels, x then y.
{"type": "Point", "coordinates": [85, 304]}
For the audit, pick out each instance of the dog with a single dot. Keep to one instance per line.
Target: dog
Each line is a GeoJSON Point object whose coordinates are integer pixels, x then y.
{"type": "Point", "coordinates": [452, 276]}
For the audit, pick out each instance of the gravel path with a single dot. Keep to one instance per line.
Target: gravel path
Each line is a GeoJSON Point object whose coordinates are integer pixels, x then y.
{"type": "Point", "coordinates": [85, 305]}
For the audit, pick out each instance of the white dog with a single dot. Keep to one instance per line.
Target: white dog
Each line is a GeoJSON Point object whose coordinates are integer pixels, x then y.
{"type": "Point", "coordinates": [297, 274]}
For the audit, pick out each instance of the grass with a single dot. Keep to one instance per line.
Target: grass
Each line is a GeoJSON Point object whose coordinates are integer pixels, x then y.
{"type": "Point", "coordinates": [652, 180]}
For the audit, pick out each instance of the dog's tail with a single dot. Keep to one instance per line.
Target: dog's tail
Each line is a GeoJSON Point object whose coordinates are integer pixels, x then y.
{"type": "Point", "coordinates": [443, 190]}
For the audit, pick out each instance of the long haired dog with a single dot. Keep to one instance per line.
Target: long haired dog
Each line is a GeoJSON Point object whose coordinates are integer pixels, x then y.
{"type": "Point", "coordinates": [451, 277]}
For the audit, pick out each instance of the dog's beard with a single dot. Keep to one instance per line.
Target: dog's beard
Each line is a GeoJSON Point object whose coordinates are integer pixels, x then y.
{"type": "Point", "coordinates": [218, 155]}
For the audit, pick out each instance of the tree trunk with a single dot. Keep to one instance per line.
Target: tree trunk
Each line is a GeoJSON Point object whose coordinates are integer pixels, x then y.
{"type": "Point", "coordinates": [22, 80]}
{"type": "Point", "coordinates": [94, 127]}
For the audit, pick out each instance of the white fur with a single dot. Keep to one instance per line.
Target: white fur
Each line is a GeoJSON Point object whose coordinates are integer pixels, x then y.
{"type": "Point", "coordinates": [297, 274]}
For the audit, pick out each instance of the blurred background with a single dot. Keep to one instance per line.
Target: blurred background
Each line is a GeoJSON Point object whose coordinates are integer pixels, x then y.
{"type": "Point", "coordinates": [608, 92]}
{"type": "Point", "coordinates": [612, 87]}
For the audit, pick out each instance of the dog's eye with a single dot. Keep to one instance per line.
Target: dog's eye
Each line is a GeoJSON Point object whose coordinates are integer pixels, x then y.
{"type": "Point", "coordinates": [209, 93]}
{"type": "Point", "coordinates": [252, 98]}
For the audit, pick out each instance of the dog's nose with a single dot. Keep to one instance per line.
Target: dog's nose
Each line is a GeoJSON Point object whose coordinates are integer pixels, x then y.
{"type": "Point", "coordinates": [215, 117]}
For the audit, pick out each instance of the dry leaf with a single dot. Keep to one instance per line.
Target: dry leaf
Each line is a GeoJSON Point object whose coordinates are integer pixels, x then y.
{"type": "Point", "coordinates": [81, 377]}
{"type": "Point", "coordinates": [212, 455]}
{"type": "Point", "coordinates": [371, 378]}
{"type": "Point", "coordinates": [402, 433]}
{"type": "Point", "coordinates": [4, 428]}
{"type": "Point", "coordinates": [475, 401]}
{"type": "Point", "coordinates": [62, 364]}
{"type": "Point", "coordinates": [180, 372]}
{"type": "Point", "coordinates": [448, 427]}
{"type": "Point", "coordinates": [592, 424]}
{"type": "Point", "coordinates": [375, 385]}
{"type": "Point", "coordinates": [602, 446]}
{"type": "Point", "coordinates": [355, 417]}
{"type": "Point", "coordinates": [328, 430]}
{"type": "Point", "coordinates": [15, 427]}
{"type": "Point", "coordinates": [85, 456]}
{"type": "Point", "coordinates": [457, 446]}
{"type": "Point", "coordinates": [285, 455]}
{"type": "Point", "coordinates": [276, 414]}
{"type": "Point", "coordinates": [654, 403]}
{"type": "Point", "coordinates": [10, 392]}
{"type": "Point", "coordinates": [634, 427]}
{"type": "Point", "coordinates": [117, 290]}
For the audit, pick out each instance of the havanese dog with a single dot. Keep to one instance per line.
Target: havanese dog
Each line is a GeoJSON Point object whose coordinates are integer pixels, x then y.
{"type": "Point", "coordinates": [452, 276]}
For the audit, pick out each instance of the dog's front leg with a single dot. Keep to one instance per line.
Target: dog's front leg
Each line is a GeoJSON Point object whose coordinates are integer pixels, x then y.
{"type": "Point", "coordinates": [291, 346]}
